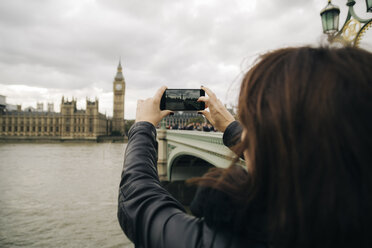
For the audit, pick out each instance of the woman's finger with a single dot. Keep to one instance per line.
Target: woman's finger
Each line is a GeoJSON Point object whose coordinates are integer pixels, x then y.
{"type": "Point", "coordinates": [159, 94]}
{"type": "Point", "coordinates": [203, 99]}
{"type": "Point", "coordinates": [165, 113]}
{"type": "Point", "coordinates": [209, 92]}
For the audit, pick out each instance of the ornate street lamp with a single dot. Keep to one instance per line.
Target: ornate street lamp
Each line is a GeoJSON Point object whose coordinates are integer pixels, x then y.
{"type": "Point", "coordinates": [352, 30]}
{"type": "Point", "coordinates": [330, 15]}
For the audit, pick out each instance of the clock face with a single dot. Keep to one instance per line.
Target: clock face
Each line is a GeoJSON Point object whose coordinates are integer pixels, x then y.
{"type": "Point", "coordinates": [118, 87]}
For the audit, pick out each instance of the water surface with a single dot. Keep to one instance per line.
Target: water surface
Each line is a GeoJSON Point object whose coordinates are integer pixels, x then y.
{"type": "Point", "coordinates": [60, 195]}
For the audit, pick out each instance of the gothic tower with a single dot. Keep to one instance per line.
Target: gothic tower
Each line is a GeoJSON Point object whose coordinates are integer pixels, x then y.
{"type": "Point", "coordinates": [119, 94]}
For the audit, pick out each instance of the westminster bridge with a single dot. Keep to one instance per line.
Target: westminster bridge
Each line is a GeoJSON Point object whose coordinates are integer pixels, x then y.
{"type": "Point", "coordinates": [184, 154]}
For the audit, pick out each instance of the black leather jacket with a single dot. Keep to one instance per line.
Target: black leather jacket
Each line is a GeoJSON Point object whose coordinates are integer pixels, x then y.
{"type": "Point", "coordinates": [150, 216]}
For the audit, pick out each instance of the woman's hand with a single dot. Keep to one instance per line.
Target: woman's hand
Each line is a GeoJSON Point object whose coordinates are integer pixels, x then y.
{"type": "Point", "coordinates": [149, 109]}
{"type": "Point", "coordinates": [218, 115]}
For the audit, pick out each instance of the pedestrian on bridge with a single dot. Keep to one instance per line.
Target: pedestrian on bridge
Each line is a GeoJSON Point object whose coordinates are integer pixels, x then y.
{"type": "Point", "coordinates": [305, 132]}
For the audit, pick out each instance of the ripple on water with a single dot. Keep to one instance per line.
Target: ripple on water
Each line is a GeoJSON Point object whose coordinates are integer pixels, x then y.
{"type": "Point", "coordinates": [60, 195]}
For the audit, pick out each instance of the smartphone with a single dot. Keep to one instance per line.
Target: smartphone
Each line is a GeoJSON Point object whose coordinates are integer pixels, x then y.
{"type": "Point", "coordinates": [182, 100]}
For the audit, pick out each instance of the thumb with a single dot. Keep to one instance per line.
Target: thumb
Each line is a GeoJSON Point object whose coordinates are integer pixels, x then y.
{"type": "Point", "coordinates": [165, 113]}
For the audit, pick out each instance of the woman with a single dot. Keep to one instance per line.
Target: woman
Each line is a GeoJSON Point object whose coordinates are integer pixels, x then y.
{"type": "Point", "coordinates": [306, 115]}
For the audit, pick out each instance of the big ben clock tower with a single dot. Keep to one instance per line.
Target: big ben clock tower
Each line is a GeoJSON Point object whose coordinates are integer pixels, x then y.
{"type": "Point", "coordinates": [119, 94]}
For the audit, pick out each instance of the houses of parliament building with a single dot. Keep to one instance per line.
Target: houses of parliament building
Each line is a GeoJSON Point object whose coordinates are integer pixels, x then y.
{"type": "Point", "coordinates": [70, 123]}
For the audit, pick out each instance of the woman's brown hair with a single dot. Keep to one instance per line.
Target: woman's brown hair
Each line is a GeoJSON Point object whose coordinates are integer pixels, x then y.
{"type": "Point", "coordinates": [307, 119]}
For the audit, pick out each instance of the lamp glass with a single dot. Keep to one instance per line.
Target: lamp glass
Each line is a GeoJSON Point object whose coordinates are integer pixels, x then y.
{"type": "Point", "coordinates": [330, 20]}
{"type": "Point", "coordinates": [369, 5]}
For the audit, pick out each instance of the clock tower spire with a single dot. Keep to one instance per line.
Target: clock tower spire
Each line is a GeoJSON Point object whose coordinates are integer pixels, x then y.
{"type": "Point", "coordinates": [119, 95]}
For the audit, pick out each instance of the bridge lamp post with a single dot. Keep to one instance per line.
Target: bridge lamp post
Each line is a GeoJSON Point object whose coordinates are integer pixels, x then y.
{"type": "Point", "coordinates": [353, 29]}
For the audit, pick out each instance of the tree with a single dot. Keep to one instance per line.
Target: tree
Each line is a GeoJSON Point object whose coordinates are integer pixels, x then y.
{"type": "Point", "coordinates": [198, 119]}
{"type": "Point", "coordinates": [128, 124]}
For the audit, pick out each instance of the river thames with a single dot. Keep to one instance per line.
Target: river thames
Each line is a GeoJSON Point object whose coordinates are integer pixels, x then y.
{"type": "Point", "coordinates": [60, 195]}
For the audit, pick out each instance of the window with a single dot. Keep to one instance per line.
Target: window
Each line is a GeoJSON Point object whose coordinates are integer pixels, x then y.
{"type": "Point", "coordinates": [45, 129]}
{"type": "Point", "coordinates": [10, 128]}
{"type": "Point", "coordinates": [27, 129]}
{"type": "Point", "coordinates": [3, 128]}
{"type": "Point", "coordinates": [39, 129]}
{"type": "Point", "coordinates": [57, 129]}
{"type": "Point", "coordinates": [33, 129]}
{"type": "Point", "coordinates": [21, 128]}
{"type": "Point", "coordinates": [15, 129]}
{"type": "Point", "coordinates": [51, 129]}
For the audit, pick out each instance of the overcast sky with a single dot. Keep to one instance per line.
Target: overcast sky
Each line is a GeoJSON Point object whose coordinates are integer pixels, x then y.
{"type": "Point", "coordinates": [51, 48]}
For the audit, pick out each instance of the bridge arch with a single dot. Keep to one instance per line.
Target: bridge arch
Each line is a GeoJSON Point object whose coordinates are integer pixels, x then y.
{"type": "Point", "coordinates": [187, 166]}
{"type": "Point", "coordinates": [185, 162]}
{"type": "Point", "coordinates": [185, 154]}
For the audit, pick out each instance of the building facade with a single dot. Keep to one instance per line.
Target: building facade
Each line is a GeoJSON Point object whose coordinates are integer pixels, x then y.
{"type": "Point", "coordinates": [180, 119]}
{"type": "Point", "coordinates": [69, 124]}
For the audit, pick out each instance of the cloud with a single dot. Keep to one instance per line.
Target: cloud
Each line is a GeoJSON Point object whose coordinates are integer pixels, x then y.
{"type": "Point", "coordinates": [72, 47]}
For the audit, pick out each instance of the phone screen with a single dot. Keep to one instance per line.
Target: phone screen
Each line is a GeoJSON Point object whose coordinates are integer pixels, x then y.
{"type": "Point", "coordinates": [182, 100]}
